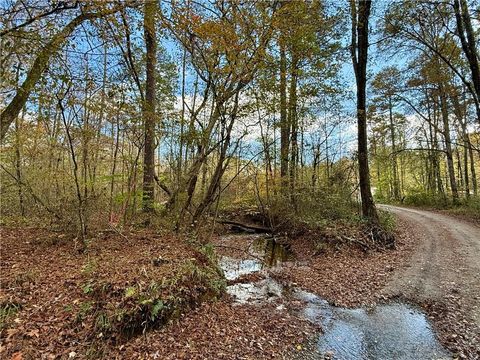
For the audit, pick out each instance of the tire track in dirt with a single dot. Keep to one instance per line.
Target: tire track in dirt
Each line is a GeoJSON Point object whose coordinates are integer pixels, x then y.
{"type": "Point", "coordinates": [444, 271]}
{"type": "Point", "coordinates": [446, 260]}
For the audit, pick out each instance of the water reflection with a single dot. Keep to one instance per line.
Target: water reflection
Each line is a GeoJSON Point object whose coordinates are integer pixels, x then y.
{"type": "Point", "coordinates": [260, 253]}
{"type": "Point", "coordinates": [389, 331]}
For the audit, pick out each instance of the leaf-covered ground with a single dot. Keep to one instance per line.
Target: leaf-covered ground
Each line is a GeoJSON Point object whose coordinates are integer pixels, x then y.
{"type": "Point", "coordinates": [57, 303]}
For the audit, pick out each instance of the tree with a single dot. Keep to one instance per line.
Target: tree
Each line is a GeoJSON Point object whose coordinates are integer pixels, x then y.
{"type": "Point", "coordinates": [149, 118]}
{"type": "Point", "coordinates": [384, 86]}
{"type": "Point", "coordinates": [426, 26]}
{"type": "Point", "coordinates": [13, 109]}
{"type": "Point", "coordinates": [469, 44]}
{"type": "Point", "coordinates": [284, 124]}
{"type": "Point", "coordinates": [360, 12]}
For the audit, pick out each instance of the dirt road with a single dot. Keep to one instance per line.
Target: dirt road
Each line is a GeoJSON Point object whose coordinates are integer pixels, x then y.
{"type": "Point", "coordinates": [446, 262]}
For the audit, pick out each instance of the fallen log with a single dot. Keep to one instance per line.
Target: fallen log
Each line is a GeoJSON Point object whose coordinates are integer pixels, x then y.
{"type": "Point", "coordinates": [240, 227]}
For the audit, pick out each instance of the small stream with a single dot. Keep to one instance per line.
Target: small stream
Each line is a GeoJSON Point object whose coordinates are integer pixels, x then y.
{"type": "Point", "coordinates": [388, 331]}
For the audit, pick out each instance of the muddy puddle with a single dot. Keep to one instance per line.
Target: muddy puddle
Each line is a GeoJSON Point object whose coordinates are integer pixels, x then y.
{"type": "Point", "coordinates": [387, 331]}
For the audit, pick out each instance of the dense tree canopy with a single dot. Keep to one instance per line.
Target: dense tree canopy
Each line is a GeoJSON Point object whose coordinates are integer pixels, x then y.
{"type": "Point", "coordinates": [174, 107]}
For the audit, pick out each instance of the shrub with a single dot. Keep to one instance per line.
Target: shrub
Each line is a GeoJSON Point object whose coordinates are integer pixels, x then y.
{"type": "Point", "coordinates": [422, 198]}
{"type": "Point", "coordinates": [307, 209]}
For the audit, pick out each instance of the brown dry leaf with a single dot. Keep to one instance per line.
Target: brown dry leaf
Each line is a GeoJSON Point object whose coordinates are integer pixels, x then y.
{"type": "Point", "coordinates": [33, 333]}
{"type": "Point", "coordinates": [11, 332]}
{"type": "Point", "coordinates": [17, 356]}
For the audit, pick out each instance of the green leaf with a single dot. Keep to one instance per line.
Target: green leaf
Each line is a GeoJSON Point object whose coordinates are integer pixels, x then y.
{"type": "Point", "coordinates": [156, 309]}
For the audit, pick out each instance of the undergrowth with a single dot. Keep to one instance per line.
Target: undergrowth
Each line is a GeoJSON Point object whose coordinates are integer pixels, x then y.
{"type": "Point", "coordinates": [307, 210]}
{"type": "Point", "coordinates": [126, 310]}
{"type": "Point", "coordinates": [7, 311]}
{"type": "Point", "coordinates": [329, 216]}
{"type": "Point", "coordinates": [468, 207]}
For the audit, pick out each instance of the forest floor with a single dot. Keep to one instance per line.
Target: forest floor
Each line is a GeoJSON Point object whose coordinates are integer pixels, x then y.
{"type": "Point", "coordinates": [57, 303]}
{"type": "Point", "coordinates": [52, 308]}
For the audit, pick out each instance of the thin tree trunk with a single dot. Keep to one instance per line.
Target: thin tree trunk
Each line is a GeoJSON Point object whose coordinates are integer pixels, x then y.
{"type": "Point", "coordinates": [293, 122]}
{"type": "Point", "coordinates": [150, 10]}
{"type": "Point", "coordinates": [18, 166]}
{"type": "Point", "coordinates": [284, 125]}
{"type": "Point", "coordinates": [448, 143]}
{"type": "Point", "coordinates": [472, 169]}
{"type": "Point", "coordinates": [465, 164]}
{"type": "Point", "coordinates": [115, 132]}
{"type": "Point", "coordinates": [85, 133]}
{"type": "Point", "coordinates": [182, 117]}
{"type": "Point", "coordinates": [100, 123]}
{"type": "Point", "coordinates": [396, 190]}
{"type": "Point", "coordinates": [459, 111]}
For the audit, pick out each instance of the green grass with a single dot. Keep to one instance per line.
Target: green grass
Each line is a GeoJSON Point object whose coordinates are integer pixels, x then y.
{"type": "Point", "coordinates": [7, 310]}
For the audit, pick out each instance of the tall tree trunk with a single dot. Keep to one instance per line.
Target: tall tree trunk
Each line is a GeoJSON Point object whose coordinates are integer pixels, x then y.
{"type": "Point", "coordinates": [396, 187]}
{"type": "Point", "coordinates": [150, 10]}
{"type": "Point", "coordinates": [436, 160]}
{"type": "Point", "coordinates": [293, 122]}
{"type": "Point", "coordinates": [99, 125]}
{"type": "Point", "coordinates": [115, 139]}
{"type": "Point", "coordinates": [472, 168]}
{"type": "Point", "coordinates": [460, 113]}
{"type": "Point", "coordinates": [359, 50]}
{"type": "Point", "coordinates": [430, 144]}
{"type": "Point", "coordinates": [85, 133]}
{"type": "Point", "coordinates": [182, 117]}
{"type": "Point", "coordinates": [469, 44]}
{"type": "Point", "coordinates": [18, 166]}
{"type": "Point", "coordinates": [460, 182]}
{"type": "Point", "coordinates": [448, 143]}
{"type": "Point", "coordinates": [284, 125]}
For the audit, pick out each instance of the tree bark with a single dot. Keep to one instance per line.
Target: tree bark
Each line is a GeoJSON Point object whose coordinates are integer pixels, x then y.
{"type": "Point", "coordinates": [467, 39]}
{"type": "Point", "coordinates": [18, 166]}
{"type": "Point", "coordinates": [359, 51]}
{"type": "Point", "coordinates": [448, 144]}
{"type": "Point", "coordinates": [472, 167]}
{"type": "Point", "coordinates": [436, 160]}
{"type": "Point", "coordinates": [396, 187]}
{"type": "Point", "coordinates": [460, 113]}
{"type": "Point", "coordinates": [150, 10]}
{"type": "Point", "coordinates": [293, 122]}
{"type": "Point", "coordinates": [284, 125]}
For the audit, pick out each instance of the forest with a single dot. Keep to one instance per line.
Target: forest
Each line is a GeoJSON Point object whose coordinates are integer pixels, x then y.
{"type": "Point", "coordinates": [228, 179]}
